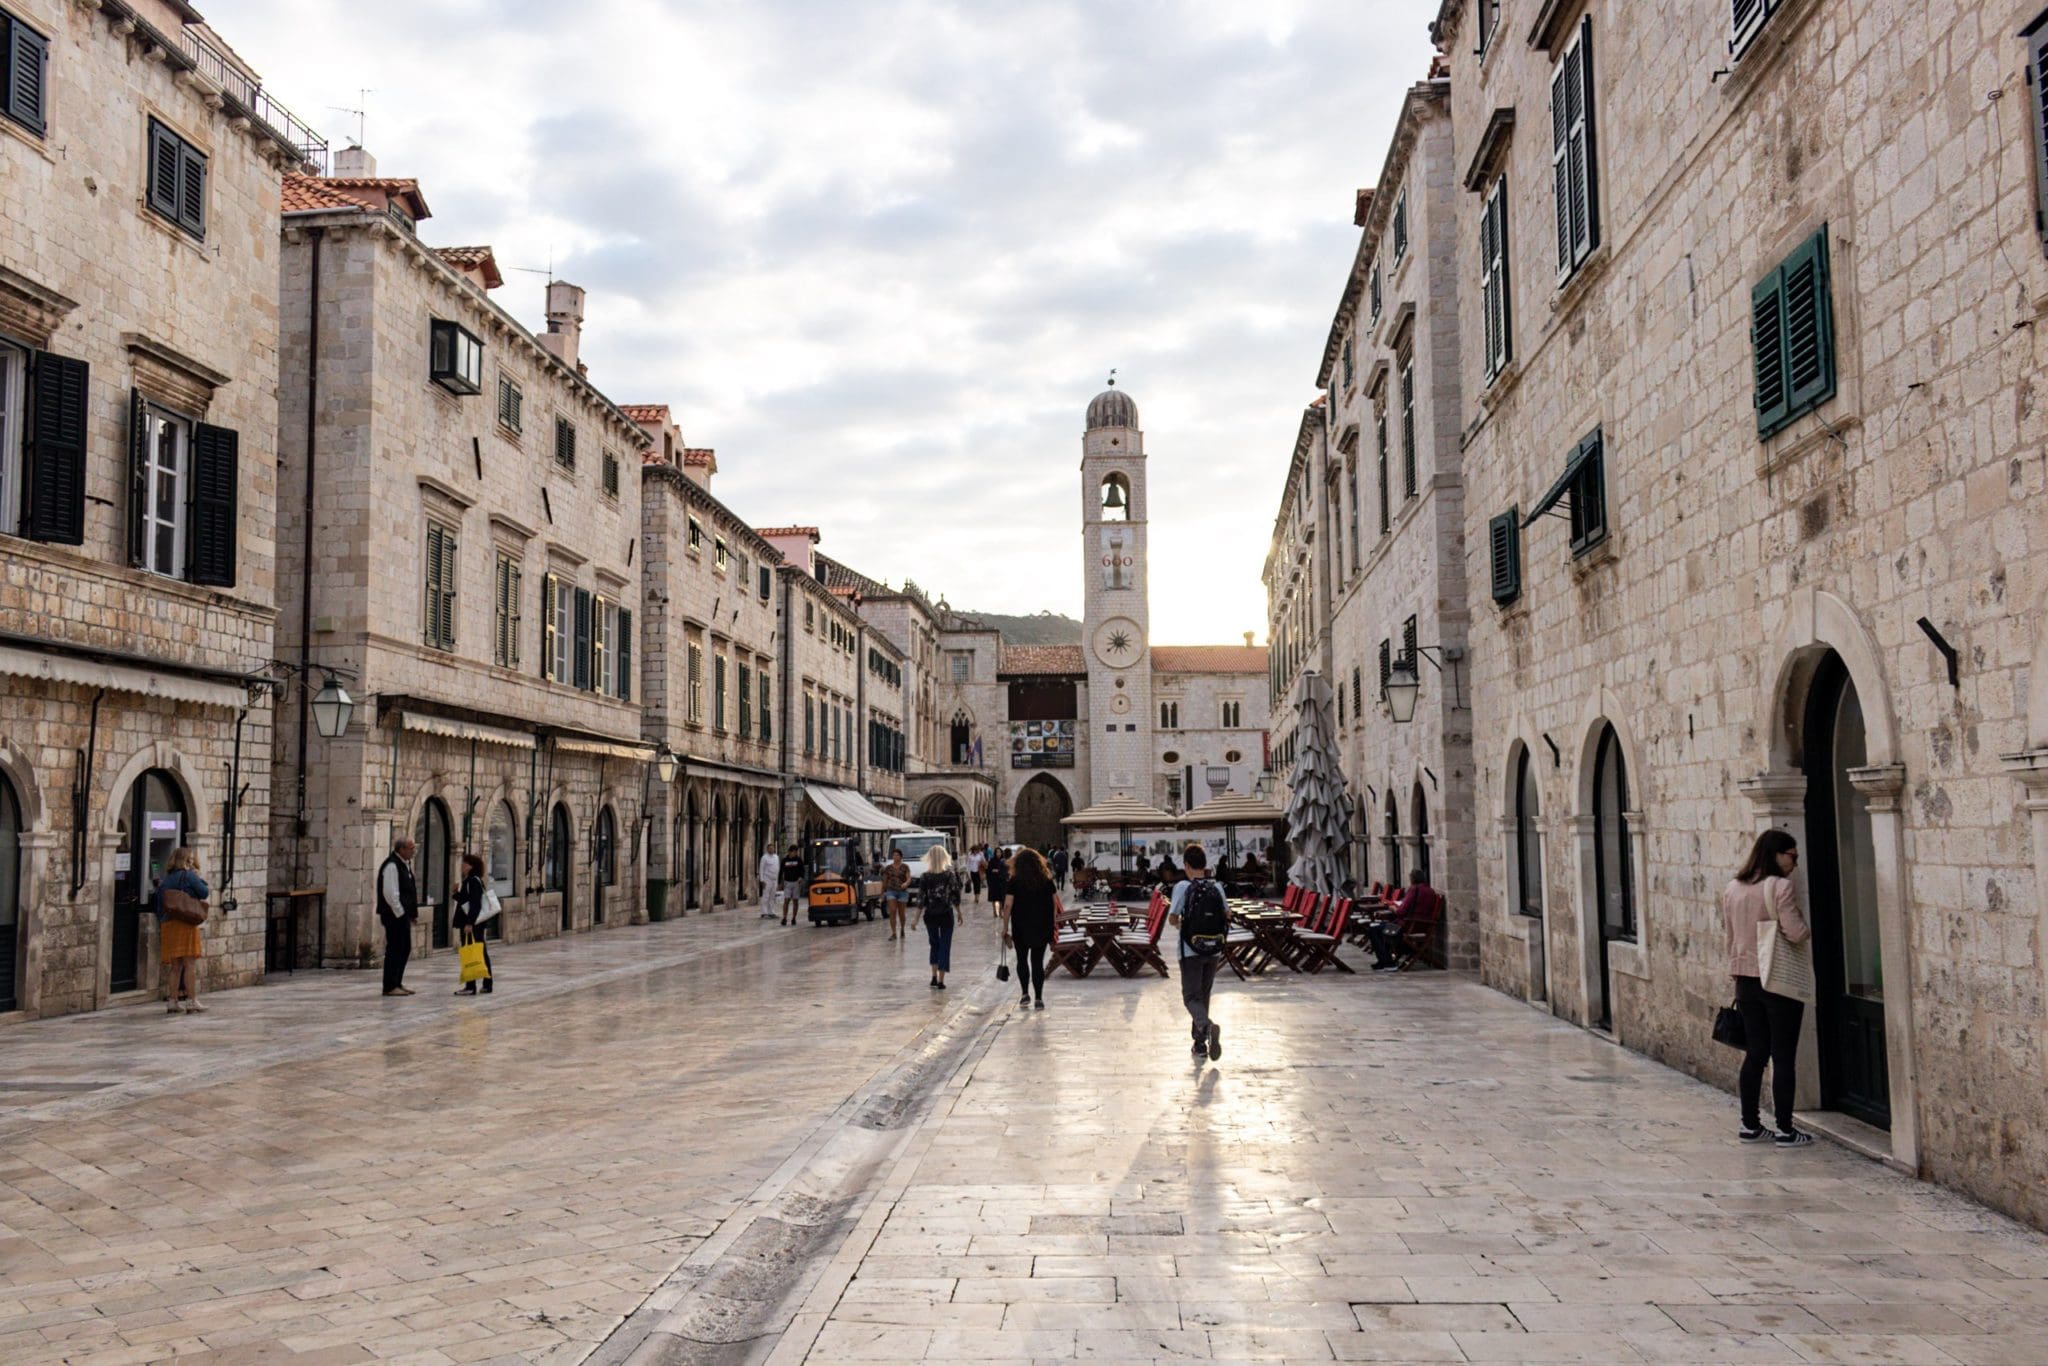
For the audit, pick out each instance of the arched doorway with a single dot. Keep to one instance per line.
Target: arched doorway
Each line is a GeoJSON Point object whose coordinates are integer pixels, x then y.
{"type": "Point", "coordinates": [736, 849]}
{"type": "Point", "coordinates": [1418, 818]}
{"type": "Point", "coordinates": [153, 823]}
{"type": "Point", "coordinates": [10, 896]}
{"type": "Point", "coordinates": [716, 851]}
{"type": "Point", "coordinates": [1392, 839]}
{"type": "Point", "coordinates": [691, 822]}
{"type": "Point", "coordinates": [1528, 839]}
{"type": "Point", "coordinates": [764, 828]}
{"type": "Point", "coordinates": [940, 811]}
{"type": "Point", "coordinates": [561, 855]}
{"type": "Point", "coordinates": [1613, 876]}
{"type": "Point", "coordinates": [604, 862]}
{"type": "Point", "coordinates": [431, 864]}
{"type": "Point", "coordinates": [1041, 805]}
{"type": "Point", "coordinates": [502, 869]}
{"type": "Point", "coordinates": [1841, 879]}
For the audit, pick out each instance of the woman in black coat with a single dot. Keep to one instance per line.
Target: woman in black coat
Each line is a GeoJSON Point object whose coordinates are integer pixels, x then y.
{"type": "Point", "coordinates": [1030, 912]}
{"type": "Point", "coordinates": [469, 908]}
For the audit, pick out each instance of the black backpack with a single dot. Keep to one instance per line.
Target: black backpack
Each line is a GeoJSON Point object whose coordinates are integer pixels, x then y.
{"type": "Point", "coordinates": [1204, 917]}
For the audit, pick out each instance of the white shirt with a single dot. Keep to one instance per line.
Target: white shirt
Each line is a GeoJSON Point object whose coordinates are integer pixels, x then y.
{"type": "Point", "coordinates": [391, 895]}
{"type": "Point", "coordinates": [771, 869]}
{"type": "Point", "coordinates": [974, 862]}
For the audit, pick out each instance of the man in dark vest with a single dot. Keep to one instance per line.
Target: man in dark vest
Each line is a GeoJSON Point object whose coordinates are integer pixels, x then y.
{"type": "Point", "coordinates": [398, 905]}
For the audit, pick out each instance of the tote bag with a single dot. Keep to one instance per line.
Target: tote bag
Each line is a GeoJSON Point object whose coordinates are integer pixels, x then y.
{"type": "Point", "coordinates": [471, 956]}
{"type": "Point", "coordinates": [1783, 967]}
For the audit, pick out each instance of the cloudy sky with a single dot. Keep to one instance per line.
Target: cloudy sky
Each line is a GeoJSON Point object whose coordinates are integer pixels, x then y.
{"type": "Point", "coordinates": [881, 253]}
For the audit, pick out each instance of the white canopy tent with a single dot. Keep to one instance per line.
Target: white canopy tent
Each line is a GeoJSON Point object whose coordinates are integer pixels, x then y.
{"type": "Point", "coordinates": [855, 812]}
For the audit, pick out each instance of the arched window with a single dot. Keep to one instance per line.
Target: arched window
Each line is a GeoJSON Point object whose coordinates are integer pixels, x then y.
{"type": "Point", "coordinates": [10, 895]}
{"type": "Point", "coordinates": [1116, 498]}
{"type": "Point", "coordinates": [604, 848]}
{"type": "Point", "coordinates": [1610, 840]}
{"type": "Point", "coordinates": [153, 823]}
{"type": "Point", "coordinates": [430, 863]}
{"type": "Point", "coordinates": [556, 877]}
{"type": "Point", "coordinates": [691, 821]}
{"type": "Point", "coordinates": [1528, 849]}
{"type": "Point", "coordinates": [1393, 842]}
{"type": "Point", "coordinates": [1419, 807]}
{"type": "Point", "coordinates": [963, 739]}
{"type": "Point", "coordinates": [503, 871]}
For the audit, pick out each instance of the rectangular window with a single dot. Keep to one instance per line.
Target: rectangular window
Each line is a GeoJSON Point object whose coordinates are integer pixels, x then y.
{"type": "Point", "coordinates": [1504, 549]}
{"type": "Point", "coordinates": [742, 570]}
{"type": "Point", "coordinates": [24, 65]}
{"type": "Point", "coordinates": [1489, 20]}
{"type": "Point", "coordinates": [810, 725]}
{"type": "Point", "coordinates": [1352, 465]}
{"type": "Point", "coordinates": [505, 608]}
{"type": "Point", "coordinates": [562, 630]}
{"type": "Point", "coordinates": [442, 564]}
{"type": "Point", "coordinates": [610, 475]}
{"type": "Point", "coordinates": [1386, 506]}
{"type": "Point", "coordinates": [511, 405]}
{"type": "Point", "coordinates": [603, 620]}
{"type": "Point", "coordinates": [177, 180]}
{"type": "Point", "coordinates": [696, 535]}
{"type": "Point", "coordinates": [767, 583]}
{"type": "Point", "coordinates": [1408, 483]}
{"type": "Point", "coordinates": [162, 471]}
{"type": "Point", "coordinates": [455, 358]}
{"type": "Point", "coordinates": [1747, 20]}
{"type": "Point", "coordinates": [13, 422]}
{"type": "Point", "coordinates": [718, 693]}
{"type": "Point", "coordinates": [746, 712]}
{"type": "Point", "coordinates": [696, 683]}
{"type": "Point", "coordinates": [961, 664]}
{"type": "Point", "coordinates": [580, 662]}
{"type": "Point", "coordinates": [565, 443]}
{"type": "Point", "coordinates": [1233, 715]}
{"type": "Point", "coordinates": [1358, 692]}
{"type": "Point", "coordinates": [43, 412]}
{"type": "Point", "coordinates": [623, 645]}
{"type": "Point", "coordinates": [1386, 666]}
{"type": "Point", "coordinates": [1493, 277]}
{"type": "Point", "coordinates": [1792, 328]}
{"type": "Point", "coordinates": [1409, 640]}
{"type": "Point", "coordinates": [810, 617]}
{"type": "Point", "coordinates": [1584, 484]}
{"type": "Point", "coordinates": [720, 557]}
{"type": "Point", "coordinates": [1400, 227]}
{"type": "Point", "coordinates": [761, 674]}
{"type": "Point", "coordinates": [1375, 292]}
{"type": "Point", "coordinates": [1575, 167]}
{"type": "Point", "coordinates": [1350, 364]}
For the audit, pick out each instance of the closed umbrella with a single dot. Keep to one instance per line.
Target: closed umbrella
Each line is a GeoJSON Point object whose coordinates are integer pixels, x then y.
{"type": "Point", "coordinates": [1318, 809]}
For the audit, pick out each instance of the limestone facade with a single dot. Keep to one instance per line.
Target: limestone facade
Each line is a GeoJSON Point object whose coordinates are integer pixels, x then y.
{"type": "Point", "coordinates": [1743, 616]}
{"type": "Point", "coordinates": [138, 433]}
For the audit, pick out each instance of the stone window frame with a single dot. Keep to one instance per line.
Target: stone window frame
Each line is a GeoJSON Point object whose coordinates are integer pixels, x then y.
{"type": "Point", "coordinates": [511, 416]}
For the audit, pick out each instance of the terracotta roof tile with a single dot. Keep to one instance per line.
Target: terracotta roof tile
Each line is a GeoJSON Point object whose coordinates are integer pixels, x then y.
{"type": "Point", "coordinates": [645, 412]}
{"type": "Point", "coordinates": [809, 531]}
{"type": "Point", "coordinates": [699, 455]}
{"type": "Point", "coordinates": [481, 259]}
{"type": "Point", "coordinates": [1209, 659]}
{"type": "Point", "coordinates": [305, 194]}
{"type": "Point", "coordinates": [1042, 659]}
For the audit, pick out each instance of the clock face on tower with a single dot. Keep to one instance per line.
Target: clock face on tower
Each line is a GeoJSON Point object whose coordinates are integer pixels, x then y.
{"type": "Point", "coordinates": [1118, 642]}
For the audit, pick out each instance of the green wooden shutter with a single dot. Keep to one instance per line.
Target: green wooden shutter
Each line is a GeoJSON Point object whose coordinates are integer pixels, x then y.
{"type": "Point", "coordinates": [138, 477]}
{"type": "Point", "coordinates": [2037, 110]}
{"type": "Point", "coordinates": [1767, 338]}
{"type": "Point", "coordinates": [54, 509]}
{"type": "Point", "coordinates": [191, 190]}
{"type": "Point", "coordinates": [210, 527]}
{"type": "Point", "coordinates": [1503, 538]}
{"type": "Point", "coordinates": [1386, 666]}
{"type": "Point", "coordinates": [27, 58]}
{"type": "Point", "coordinates": [431, 603]}
{"type": "Point", "coordinates": [1809, 326]}
{"type": "Point", "coordinates": [449, 564]}
{"type": "Point", "coordinates": [1589, 495]}
{"type": "Point", "coordinates": [581, 665]}
{"type": "Point", "coordinates": [625, 650]}
{"type": "Point", "coordinates": [1560, 175]}
{"type": "Point", "coordinates": [165, 163]}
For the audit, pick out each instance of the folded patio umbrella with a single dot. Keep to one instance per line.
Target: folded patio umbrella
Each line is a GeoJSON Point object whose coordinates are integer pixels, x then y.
{"type": "Point", "coordinates": [1318, 808]}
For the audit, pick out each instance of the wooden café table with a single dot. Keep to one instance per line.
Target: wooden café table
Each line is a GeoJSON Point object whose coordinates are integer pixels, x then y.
{"type": "Point", "coordinates": [1268, 925]}
{"type": "Point", "coordinates": [1101, 931]}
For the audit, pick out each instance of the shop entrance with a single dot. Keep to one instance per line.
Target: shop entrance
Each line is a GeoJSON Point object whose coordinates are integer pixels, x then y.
{"type": "Point", "coordinates": [152, 826]}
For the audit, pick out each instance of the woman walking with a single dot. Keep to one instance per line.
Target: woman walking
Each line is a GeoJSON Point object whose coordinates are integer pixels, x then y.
{"type": "Point", "coordinates": [469, 910]}
{"type": "Point", "coordinates": [178, 940]}
{"type": "Point", "coordinates": [1030, 910]}
{"type": "Point", "coordinates": [938, 892]}
{"type": "Point", "coordinates": [1760, 894]}
{"type": "Point", "coordinates": [895, 891]}
{"type": "Point", "coordinates": [998, 880]}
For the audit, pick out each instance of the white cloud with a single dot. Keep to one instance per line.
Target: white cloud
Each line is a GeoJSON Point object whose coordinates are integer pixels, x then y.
{"type": "Point", "coordinates": [880, 253]}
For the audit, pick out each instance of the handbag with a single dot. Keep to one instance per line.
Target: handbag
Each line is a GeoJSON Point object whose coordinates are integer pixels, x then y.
{"type": "Point", "coordinates": [182, 906]}
{"type": "Point", "coordinates": [1783, 967]}
{"type": "Point", "coordinates": [471, 956]}
{"type": "Point", "coordinates": [1728, 1028]}
{"type": "Point", "coordinates": [492, 907]}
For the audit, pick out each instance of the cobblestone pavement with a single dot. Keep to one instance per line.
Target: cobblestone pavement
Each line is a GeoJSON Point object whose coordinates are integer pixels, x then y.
{"type": "Point", "coordinates": [1407, 1169]}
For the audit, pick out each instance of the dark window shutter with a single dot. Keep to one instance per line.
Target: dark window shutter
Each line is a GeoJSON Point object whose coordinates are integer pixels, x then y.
{"type": "Point", "coordinates": [450, 562]}
{"type": "Point", "coordinates": [548, 626]}
{"type": "Point", "coordinates": [1386, 666]}
{"type": "Point", "coordinates": [1809, 326]}
{"type": "Point", "coordinates": [430, 605]}
{"type": "Point", "coordinates": [138, 477]}
{"type": "Point", "coordinates": [1746, 18]}
{"type": "Point", "coordinates": [211, 530]}
{"type": "Point", "coordinates": [1408, 643]}
{"type": "Point", "coordinates": [583, 639]}
{"type": "Point", "coordinates": [55, 506]}
{"type": "Point", "coordinates": [1503, 536]}
{"type": "Point", "coordinates": [1589, 496]}
{"type": "Point", "coordinates": [1767, 335]}
{"type": "Point", "coordinates": [165, 163]}
{"type": "Point", "coordinates": [27, 60]}
{"type": "Point", "coordinates": [1408, 481]}
{"type": "Point", "coordinates": [625, 664]}
{"type": "Point", "coordinates": [1586, 179]}
{"type": "Point", "coordinates": [1357, 691]}
{"type": "Point", "coordinates": [192, 191]}
{"type": "Point", "coordinates": [2037, 108]}
{"type": "Point", "coordinates": [1560, 172]}
{"type": "Point", "coordinates": [565, 443]}
{"type": "Point", "coordinates": [1386, 512]}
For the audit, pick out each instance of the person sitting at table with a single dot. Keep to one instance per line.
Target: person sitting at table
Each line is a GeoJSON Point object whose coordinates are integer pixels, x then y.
{"type": "Point", "coordinates": [1250, 871]}
{"type": "Point", "coordinates": [1420, 902]}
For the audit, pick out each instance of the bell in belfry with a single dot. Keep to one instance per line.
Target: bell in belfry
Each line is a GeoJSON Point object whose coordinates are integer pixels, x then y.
{"type": "Point", "coordinates": [1115, 496]}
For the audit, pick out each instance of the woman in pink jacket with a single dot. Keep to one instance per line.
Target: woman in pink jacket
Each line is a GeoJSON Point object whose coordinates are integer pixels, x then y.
{"type": "Point", "coordinates": [1761, 893]}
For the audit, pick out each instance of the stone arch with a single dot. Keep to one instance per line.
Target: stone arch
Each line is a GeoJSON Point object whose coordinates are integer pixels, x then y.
{"type": "Point", "coordinates": [35, 846]}
{"type": "Point", "coordinates": [1602, 714]}
{"type": "Point", "coordinates": [1042, 803]}
{"type": "Point", "coordinates": [28, 791]}
{"type": "Point", "coordinates": [1528, 931]}
{"type": "Point", "coordinates": [943, 810]}
{"type": "Point", "coordinates": [1421, 830]}
{"type": "Point", "coordinates": [1815, 622]}
{"type": "Point", "coordinates": [199, 801]}
{"type": "Point", "coordinates": [193, 789]}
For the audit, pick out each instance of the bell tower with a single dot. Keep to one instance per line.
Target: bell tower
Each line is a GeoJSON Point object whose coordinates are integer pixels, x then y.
{"type": "Point", "coordinates": [1118, 619]}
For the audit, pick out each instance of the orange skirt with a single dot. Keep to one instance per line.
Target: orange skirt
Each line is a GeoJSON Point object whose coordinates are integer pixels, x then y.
{"type": "Point", "coordinates": [178, 940]}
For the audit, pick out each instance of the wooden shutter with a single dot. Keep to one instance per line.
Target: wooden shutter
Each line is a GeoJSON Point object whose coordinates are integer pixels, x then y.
{"type": "Point", "coordinates": [1503, 539]}
{"type": "Point", "coordinates": [1767, 337]}
{"type": "Point", "coordinates": [1357, 691]}
{"type": "Point", "coordinates": [1386, 666]}
{"type": "Point", "coordinates": [625, 651]}
{"type": "Point", "coordinates": [1493, 275]}
{"type": "Point", "coordinates": [1386, 512]}
{"type": "Point", "coordinates": [165, 163]}
{"type": "Point", "coordinates": [27, 59]}
{"type": "Point", "coordinates": [2037, 110]}
{"type": "Point", "coordinates": [512, 592]}
{"type": "Point", "coordinates": [1589, 495]}
{"type": "Point", "coordinates": [138, 478]}
{"type": "Point", "coordinates": [1574, 166]}
{"type": "Point", "coordinates": [565, 443]}
{"type": "Point", "coordinates": [1408, 482]}
{"type": "Point", "coordinates": [1809, 326]}
{"type": "Point", "coordinates": [210, 524]}
{"type": "Point", "coordinates": [1747, 18]}
{"type": "Point", "coordinates": [450, 563]}
{"type": "Point", "coordinates": [550, 628]}
{"type": "Point", "coordinates": [1408, 644]}
{"type": "Point", "coordinates": [191, 190]}
{"type": "Point", "coordinates": [431, 606]}
{"type": "Point", "coordinates": [54, 509]}
{"type": "Point", "coordinates": [583, 635]}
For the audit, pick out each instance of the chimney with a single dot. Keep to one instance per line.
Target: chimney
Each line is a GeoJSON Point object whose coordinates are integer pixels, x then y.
{"type": "Point", "coordinates": [1248, 640]}
{"type": "Point", "coordinates": [353, 163]}
{"type": "Point", "coordinates": [565, 323]}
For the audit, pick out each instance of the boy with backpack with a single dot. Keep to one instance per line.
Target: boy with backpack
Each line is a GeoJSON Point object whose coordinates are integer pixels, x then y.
{"type": "Point", "coordinates": [1202, 912]}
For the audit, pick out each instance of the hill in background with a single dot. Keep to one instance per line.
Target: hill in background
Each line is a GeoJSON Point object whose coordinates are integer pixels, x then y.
{"type": "Point", "coordinates": [1042, 628]}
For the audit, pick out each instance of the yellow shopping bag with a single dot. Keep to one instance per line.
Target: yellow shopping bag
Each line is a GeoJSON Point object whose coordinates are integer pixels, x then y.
{"type": "Point", "coordinates": [471, 955]}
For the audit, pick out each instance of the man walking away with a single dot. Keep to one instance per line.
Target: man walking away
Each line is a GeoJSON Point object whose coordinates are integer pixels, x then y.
{"type": "Point", "coordinates": [792, 871]}
{"type": "Point", "coordinates": [398, 906]}
{"type": "Point", "coordinates": [770, 873]}
{"type": "Point", "coordinates": [1202, 912]}
{"type": "Point", "coordinates": [1059, 868]}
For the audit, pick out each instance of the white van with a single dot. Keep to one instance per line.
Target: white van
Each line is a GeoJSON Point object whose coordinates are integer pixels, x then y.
{"type": "Point", "coordinates": [915, 844]}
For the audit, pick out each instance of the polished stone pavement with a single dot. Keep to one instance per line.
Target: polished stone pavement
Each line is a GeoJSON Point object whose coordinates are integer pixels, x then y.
{"type": "Point", "coordinates": [719, 1140]}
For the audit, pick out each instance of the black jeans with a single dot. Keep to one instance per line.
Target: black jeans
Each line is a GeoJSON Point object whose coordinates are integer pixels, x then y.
{"type": "Point", "coordinates": [397, 949]}
{"type": "Point", "coordinates": [1197, 980]}
{"type": "Point", "coordinates": [1770, 1026]}
{"type": "Point", "coordinates": [462, 924]}
{"type": "Point", "coordinates": [1031, 970]}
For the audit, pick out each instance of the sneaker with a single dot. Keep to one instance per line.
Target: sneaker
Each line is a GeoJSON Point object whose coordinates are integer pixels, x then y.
{"type": "Point", "coordinates": [1215, 1042]}
{"type": "Point", "coordinates": [1791, 1138]}
{"type": "Point", "coordinates": [196, 1007]}
{"type": "Point", "coordinates": [174, 1007]}
{"type": "Point", "coordinates": [1201, 1049]}
{"type": "Point", "coordinates": [1750, 1133]}
{"type": "Point", "coordinates": [1038, 1005]}
{"type": "Point", "coordinates": [940, 985]}
{"type": "Point", "coordinates": [1023, 1003]}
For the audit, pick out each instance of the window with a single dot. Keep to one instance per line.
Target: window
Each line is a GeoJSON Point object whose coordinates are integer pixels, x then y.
{"type": "Point", "coordinates": [1233, 715]}
{"type": "Point", "coordinates": [1408, 484]}
{"type": "Point", "coordinates": [761, 677]}
{"type": "Point", "coordinates": [556, 873]}
{"type": "Point", "coordinates": [746, 713]}
{"type": "Point", "coordinates": [1169, 716]}
{"type": "Point", "coordinates": [742, 570]}
{"type": "Point", "coordinates": [24, 66]}
{"type": "Point", "coordinates": [720, 557]}
{"type": "Point", "coordinates": [718, 693]}
{"type": "Point", "coordinates": [1386, 666]}
{"type": "Point", "coordinates": [1357, 692]}
{"type": "Point", "coordinates": [1504, 553]}
{"type": "Point", "coordinates": [565, 443]}
{"type": "Point", "coordinates": [810, 725]}
{"type": "Point", "coordinates": [440, 600]}
{"type": "Point", "coordinates": [1747, 20]}
{"type": "Point", "coordinates": [961, 664]}
{"type": "Point", "coordinates": [2036, 35]}
{"type": "Point", "coordinates": [1489, 20]}
{"type": "Point", "coordinates": [767, 583]}
{"type": "Point", "coordinates": [455, 358]}
{"type": "Point", "coordinates": [696, 683]}
{"type": "Point", "coordinates": [162, 470]}
{"type": "Point", "coordinates": [1493, 277]}
{"type": "Point", "coordinates": [501, 868]}
{"type": "Point", "coordinates": [43, 412]}
{"type": "Point", "coordinates": [511, 404]}
{"type": "Point", "coordinates": [1401, 227]}
{"type": "Point", "coordinates": [1341, 722]}
{"type": "Point", "coordinates": [1528, 839]}
{"type": "Point", "coordinates": [505, 608]}
{"type": "Point", "coordinates": [1611, 852]}
{"type": "Point", "coordinates": [1375, 292]}
{"type": "Point", "coordinates": [622, 646]}
{"type": "Point", "coordinates": [13, 423]}
{"type": "Point", "coordinates": [810, 615]}
{"type": "Point", "coordinates": [1352, 468]}
{"type": "Point", "coordinates": [609, 476]}
{"type": "Point", "coordinates": [177, 178]}
{"type": "Point", "coordinates": [1574, 164]}
{"type": "Point", "coordinates": [1380, 435]}
{"type": "Point", "coordinates": [1584, 484]}
{"type": "Point", "coordinates": [696, 535]}
{"type": "Point", "coordinates": [558, 629]}
{"type": "Point", "coordinates": [586, 627]}
{"type": "Point", "coordinates": [1792, 327]}
{"type": "Point", "coordinates": [1350, 364]}
{"type": "Point", "coordinates": [1173, 792]}
{"type": "Point", "coordinates": [604, 623]}
{"type": "Point", "coordinates": [1409, 641]}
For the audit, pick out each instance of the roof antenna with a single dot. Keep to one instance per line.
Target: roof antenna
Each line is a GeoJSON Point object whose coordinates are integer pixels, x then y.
{"type": "Point", "coordinates": [362, 115]}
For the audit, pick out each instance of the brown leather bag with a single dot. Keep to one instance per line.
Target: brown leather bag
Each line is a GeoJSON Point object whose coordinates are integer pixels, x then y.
{"type": "Point", "coordinates": [182, 905]}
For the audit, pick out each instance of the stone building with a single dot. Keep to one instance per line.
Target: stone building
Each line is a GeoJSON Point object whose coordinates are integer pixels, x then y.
{"type": "Point", "coordinates": [1752, 525]}
{"type": "Point", "coordinates": [139, 166]}
{"type": "Point", "coordinates": [459, 535]}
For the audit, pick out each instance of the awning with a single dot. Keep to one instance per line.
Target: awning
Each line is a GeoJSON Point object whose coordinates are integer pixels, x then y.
{"type": "Point", "coordinates": [463, 730]}
{"type": "Point", "coordinates": [1118, 813]}
{"type": "Point", "coordinates": [1586, 450]}
{"type": "Point", "coordinates": [852, 810]}
{"type": "Point", "coordinates": [610, 749]}
{"type": "Point", "coordinates": [51, 668]}
{"type": "Point", "coordinates": [1232, 808]}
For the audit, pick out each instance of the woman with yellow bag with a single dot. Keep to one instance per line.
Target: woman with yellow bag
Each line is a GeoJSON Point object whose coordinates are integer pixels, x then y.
{"type": "Point", "coordinates": [470, 914]}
